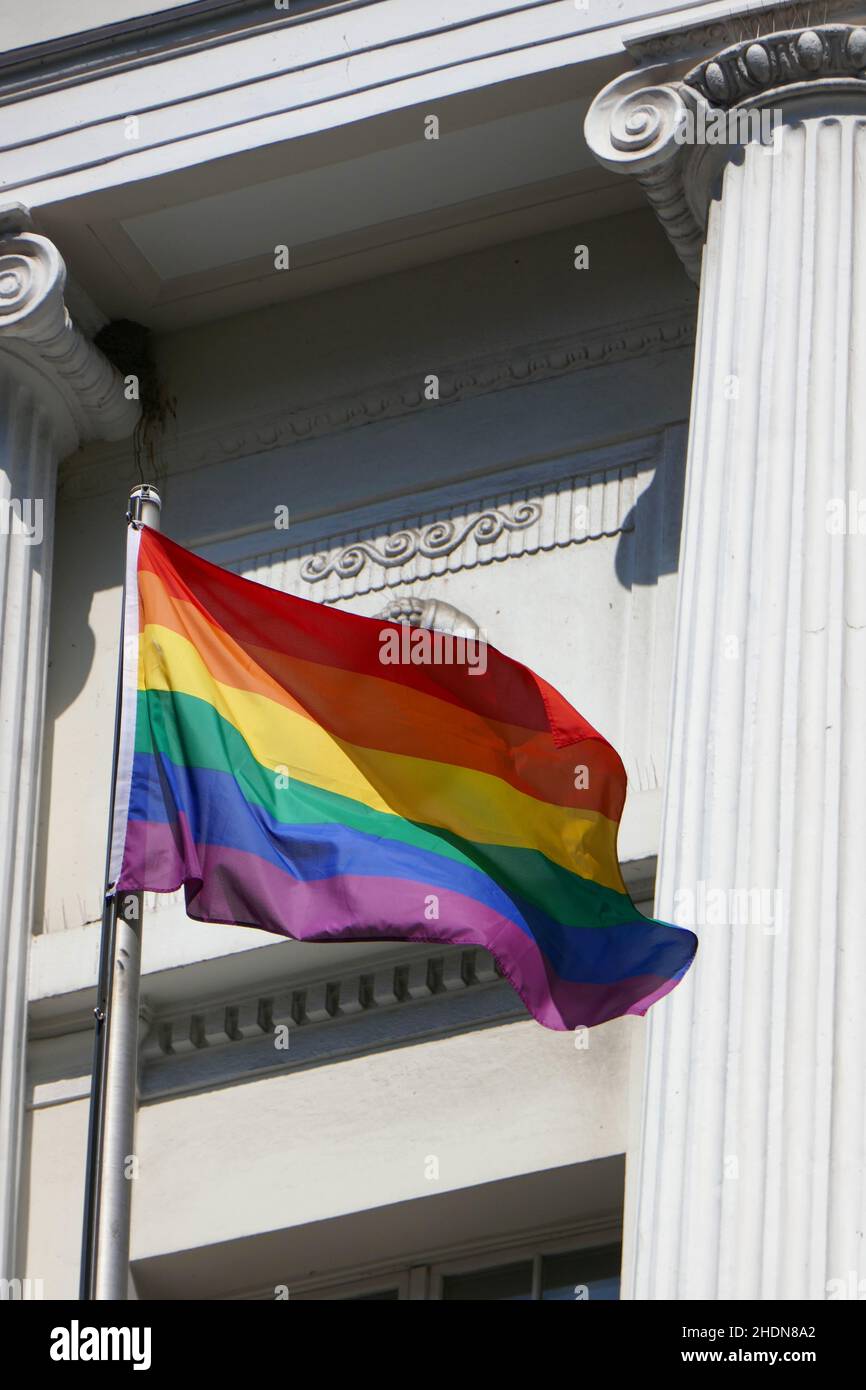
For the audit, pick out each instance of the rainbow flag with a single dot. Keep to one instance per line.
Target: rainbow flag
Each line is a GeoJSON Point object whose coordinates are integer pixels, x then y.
{"type": "Point", "coordinates": [323, 776]}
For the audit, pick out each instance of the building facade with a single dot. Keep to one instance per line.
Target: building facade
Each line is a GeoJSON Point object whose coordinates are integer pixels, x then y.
{"type": "Point", "coordinates": [431, 311]}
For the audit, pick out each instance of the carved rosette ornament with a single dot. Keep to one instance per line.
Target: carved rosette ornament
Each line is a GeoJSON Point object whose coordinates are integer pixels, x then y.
{"type": "Point", "coordinates": [647, 129]}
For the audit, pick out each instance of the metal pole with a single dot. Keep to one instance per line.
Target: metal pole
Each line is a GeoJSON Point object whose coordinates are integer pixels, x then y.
{"type": "Point", "coordinates": [110, 1157]}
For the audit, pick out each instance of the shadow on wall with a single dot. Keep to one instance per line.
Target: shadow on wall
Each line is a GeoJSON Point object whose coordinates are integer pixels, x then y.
{"type": "Point", "coordinates": [481, 313]}
{"type": "Point", "coordinates": [650, 541]}
{"type": "Point", "coordinates": [647, 548]}
{"type": "Point", "coordinates": [72, 652]}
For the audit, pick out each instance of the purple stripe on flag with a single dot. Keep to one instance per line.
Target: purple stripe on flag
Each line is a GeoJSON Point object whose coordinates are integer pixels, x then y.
{"type": "Point", "coordinates": [238, 888]}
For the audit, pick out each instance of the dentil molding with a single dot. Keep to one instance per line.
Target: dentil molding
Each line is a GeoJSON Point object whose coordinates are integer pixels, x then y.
{"type": "Point", "coordinates": [421, 994]}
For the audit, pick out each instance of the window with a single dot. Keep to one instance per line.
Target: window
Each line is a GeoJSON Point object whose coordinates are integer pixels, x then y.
{"type": "Point", "coordinates": [589, 1274]}
{"type": "Point", "coordinates": [376, 1297]}
{"type": "Point", "coordinates": [575, 1269]}
{"type": "Point", "coordinates": [582, 1274]}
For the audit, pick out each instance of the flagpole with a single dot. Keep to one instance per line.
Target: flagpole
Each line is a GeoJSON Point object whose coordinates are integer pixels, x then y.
{"type": "Point", "coordinates": [110, 1158]}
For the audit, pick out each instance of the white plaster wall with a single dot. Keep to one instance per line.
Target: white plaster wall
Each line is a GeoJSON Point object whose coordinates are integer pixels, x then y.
{"type": "Point", "coordinates": [334, 1140]}
{"type": "Point", "coordinates": [56, 1139]}
{"type": "Point", "coordinates": [309, 1145]}
{"type": "Point", "coordinates": [565, 612]}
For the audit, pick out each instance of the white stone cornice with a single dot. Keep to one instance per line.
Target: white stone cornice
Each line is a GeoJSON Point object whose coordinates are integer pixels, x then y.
{"type": "Point", "coordinates": [35, 323]}
{"type": "Point", "coordinates": [638, 124]}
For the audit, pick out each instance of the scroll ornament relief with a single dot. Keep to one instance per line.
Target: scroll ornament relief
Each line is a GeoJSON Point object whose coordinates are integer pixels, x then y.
{"type": "Point", "coordinates": [33, 311]}
{"type": "Point", "coordinates": [552, 513]}
{"type": "Point", "coordinates": [437, 539]}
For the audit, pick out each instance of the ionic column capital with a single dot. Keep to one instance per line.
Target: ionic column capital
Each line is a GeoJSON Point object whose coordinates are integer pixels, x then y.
{"type": "Point", "coordinates": [786, 63]}
{"type": "Point", "coordinates": [643, 122]}
{"type": "Point", "coordinates": [35, 326]}
{"type": "Point", "coordinates": [636, 129]}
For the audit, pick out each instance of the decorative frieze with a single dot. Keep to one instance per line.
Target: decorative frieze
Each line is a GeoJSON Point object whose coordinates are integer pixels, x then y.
{"type": "Point", "coordinates": [514, 367]}
{"type": "Point", "coordinates": [553, 513]}
{"type": "Point", "coordinates": [435, 540]}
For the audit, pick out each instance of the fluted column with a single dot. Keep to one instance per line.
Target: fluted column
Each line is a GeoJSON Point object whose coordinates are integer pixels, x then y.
{"type": "Point", "coordinates": [55, 391]}
{"type": "Point", "coordinates": [750, 1177]}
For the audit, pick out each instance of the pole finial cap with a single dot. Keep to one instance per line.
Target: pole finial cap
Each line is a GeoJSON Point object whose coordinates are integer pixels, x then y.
{"type": "Point", "coordinates": [145, 506]}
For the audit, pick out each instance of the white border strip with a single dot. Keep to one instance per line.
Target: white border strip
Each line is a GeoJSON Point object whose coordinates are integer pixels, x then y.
{"type": "Point", "coordinates": [129, 697]}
